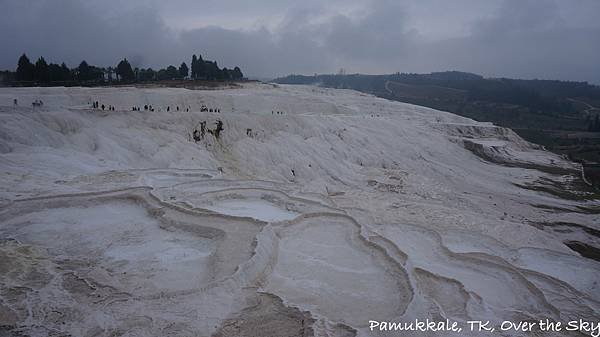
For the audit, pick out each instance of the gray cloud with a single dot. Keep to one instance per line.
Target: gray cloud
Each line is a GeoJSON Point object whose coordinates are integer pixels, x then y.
{"type": "Point", "coordinates": [516, 38]}
{"type": "Point", "coordinates": [67, 30]}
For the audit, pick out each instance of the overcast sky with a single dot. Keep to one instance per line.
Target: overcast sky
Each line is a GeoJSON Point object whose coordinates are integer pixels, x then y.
{"type": "Point", "coordinates": [550, 39]}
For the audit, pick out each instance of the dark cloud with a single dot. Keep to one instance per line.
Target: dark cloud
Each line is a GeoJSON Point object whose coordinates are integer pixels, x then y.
{"type": "Point", "coordinates": [531, 39]}
{"type": "Point", "coordinates": [380, 35]}
{"type": "Point", "coordinates": [516, 38]}
{"type": "Point", "coordinates": [67, 30]}
{"type": "Point", "coordinates": [518, 16]}
{"type": "Point", "coordinates": [258, 51]}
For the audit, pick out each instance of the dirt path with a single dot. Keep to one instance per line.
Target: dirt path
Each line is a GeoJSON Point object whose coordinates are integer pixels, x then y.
{"type": "Point", "coordinates": [590, 107]}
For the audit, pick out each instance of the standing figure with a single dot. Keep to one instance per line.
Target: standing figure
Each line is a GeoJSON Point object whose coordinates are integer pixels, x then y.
{"type": "Point", "coordinates": [202, 129]}
{"type": "Point", "coordinates": [218, 129]}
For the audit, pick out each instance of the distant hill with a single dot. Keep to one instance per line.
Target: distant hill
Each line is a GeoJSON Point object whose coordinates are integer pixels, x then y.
{"type": "Point", "coordinates": [561, 115]}
{"type": "Point", "coordinates": [538, 96]}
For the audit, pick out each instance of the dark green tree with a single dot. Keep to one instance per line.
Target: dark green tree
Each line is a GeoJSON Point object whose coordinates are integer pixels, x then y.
{"type": "Point", "coordinates": [172, 72]}
{"type": "Point", "coordinates": [41, 70]}
{"type": "Point", "coordinates": [211, 70]}
{"type": "Point", "coordinates": [201, 67]}
{"type": "Point", "coordinates": [199, 70]}
{"type": "Point", "coordinates": [147, 75]}
{"type": "Point", "coordinates": [194, 66]}
{"type": "Point", "coordinates": [7, 76]}
{"type": "Point", "coordinates": [65, 73]}
{"type": "Point", "coordinates": [124, 71]}
{"type": "Point", "coordinates": [84, 71]}
{"type": "Point", "coordinates": [25, 69]}
{"type": "Point", "coordinates": [162, 75]}
{"type": "Point", "coordinates": [183, 70]}
{"type": "Point", "coordinates": [198, 67]}
{"type": "Point", "coordinates": [237, 74]}
{"type": "Point", "coordinates": [226, 73]}
{"type": "Point", "coordinates": [54, 73]}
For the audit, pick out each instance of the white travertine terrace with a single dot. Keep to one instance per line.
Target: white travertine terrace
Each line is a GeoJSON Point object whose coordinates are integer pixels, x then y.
{"type": "Point", "coordinates": [345, 208]}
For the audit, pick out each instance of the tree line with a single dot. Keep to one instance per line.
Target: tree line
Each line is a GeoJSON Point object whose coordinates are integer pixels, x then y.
{"type": "Point", "coordinates": [42, 72]}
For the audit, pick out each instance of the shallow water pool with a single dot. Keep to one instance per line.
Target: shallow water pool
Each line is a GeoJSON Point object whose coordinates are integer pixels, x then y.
{"type": "Point", "coordinates": [253, 208]}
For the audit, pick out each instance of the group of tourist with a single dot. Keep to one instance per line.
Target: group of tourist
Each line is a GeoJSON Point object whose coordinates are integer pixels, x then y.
{"type": "Point", "coordinates": [96, 105]}
{"type": "Point", "coordinates": [204, 108]}
{"type": "Point", "coordinates": [198, 135]}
